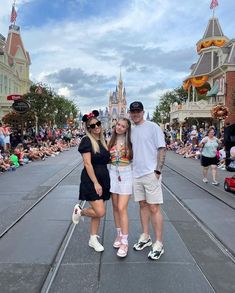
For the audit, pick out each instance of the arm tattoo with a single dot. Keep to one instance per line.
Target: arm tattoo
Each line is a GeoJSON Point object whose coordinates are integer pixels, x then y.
{"type": "Point", "coordinates": [161, 155]}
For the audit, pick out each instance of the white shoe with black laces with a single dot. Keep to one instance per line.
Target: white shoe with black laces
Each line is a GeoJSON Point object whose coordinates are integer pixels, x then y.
{"type": "Point", "coordinates": [157, 251]}
{"type": "Point", "coordinates": [142, 242]}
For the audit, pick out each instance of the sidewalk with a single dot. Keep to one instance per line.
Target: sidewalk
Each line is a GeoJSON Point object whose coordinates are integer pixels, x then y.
{"type": "Point", "coordinates": [83, 270]}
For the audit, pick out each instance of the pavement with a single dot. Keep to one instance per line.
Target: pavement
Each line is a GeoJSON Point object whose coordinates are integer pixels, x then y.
{"type": "Point", "coordinates": [197, 230]}
{"type": "Point", "coordinates": [193, 260]}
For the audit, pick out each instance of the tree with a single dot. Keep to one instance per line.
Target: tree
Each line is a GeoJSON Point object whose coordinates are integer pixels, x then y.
{"type": "Point", "coordinates": [157, 115]}
{"type": "Point", "coordinates": [48, 107]}
{"type": "Point", "coordinates": [162, 111]}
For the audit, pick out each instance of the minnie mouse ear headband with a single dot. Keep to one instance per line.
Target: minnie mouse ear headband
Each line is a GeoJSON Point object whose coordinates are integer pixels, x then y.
{"type": "Point", "coordinates": [86, 117]}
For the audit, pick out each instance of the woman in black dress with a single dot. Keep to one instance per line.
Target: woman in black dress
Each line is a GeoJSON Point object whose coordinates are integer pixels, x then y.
{"type": "Point", "coordinates": [95, 182]}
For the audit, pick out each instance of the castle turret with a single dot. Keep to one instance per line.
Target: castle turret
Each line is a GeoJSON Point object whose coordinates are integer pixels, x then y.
{"type": "Point", "coordinates": [117, 101]}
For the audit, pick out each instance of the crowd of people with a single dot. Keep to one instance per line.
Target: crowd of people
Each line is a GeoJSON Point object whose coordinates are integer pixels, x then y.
{"type": "Point", "coordinates": [18, 150]}
{"type": "Point", "coordinates": [193, 142]}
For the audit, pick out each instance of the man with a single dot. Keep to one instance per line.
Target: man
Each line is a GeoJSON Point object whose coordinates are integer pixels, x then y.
{"type": "Point", "coordinates": [148, 159]}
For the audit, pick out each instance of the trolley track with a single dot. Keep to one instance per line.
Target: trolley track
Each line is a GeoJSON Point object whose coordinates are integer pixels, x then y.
{"type": "Point", "coordinates": [216, 239]}
{"type": "Point", "coordinates": [14, 223]}
{"type": "Point", "coordinates": [59, 256]}
{"type": "Point", "coordinates": [214, 195]}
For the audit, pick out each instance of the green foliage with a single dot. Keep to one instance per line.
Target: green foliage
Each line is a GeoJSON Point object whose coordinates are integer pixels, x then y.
{"type": "Point", "coordinates": [50, 107]}
{"type": "Point", "coordinates": [162, 111]}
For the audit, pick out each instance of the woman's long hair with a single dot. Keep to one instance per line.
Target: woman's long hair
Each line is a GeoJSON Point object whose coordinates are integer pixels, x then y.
{"type": "Point", "coordinates": [128, 144]}
{"type": "Point", "coordinates": [94, 143]}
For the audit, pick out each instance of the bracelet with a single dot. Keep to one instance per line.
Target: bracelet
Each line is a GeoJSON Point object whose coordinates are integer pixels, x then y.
{"type": "Point", "coordinates": [157, 172]}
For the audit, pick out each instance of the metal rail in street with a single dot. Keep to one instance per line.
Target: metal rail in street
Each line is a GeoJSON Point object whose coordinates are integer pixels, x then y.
{"type": "Point", "coordinates": [38, 201]}
{"type": "Point", "coordinates": [226, 250]}
{"type": "Point", "coordinates": [201, 187]}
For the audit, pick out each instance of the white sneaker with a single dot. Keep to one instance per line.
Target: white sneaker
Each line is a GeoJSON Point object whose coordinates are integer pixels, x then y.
{"type": "Point", "coordinates": [157, 251]}
{"type": "Point", "coordinates": [94, 243]}
{"type": "Point", "coordinates": [76, 214]}
{"type": "Point", "coordinates": [215, 183]}
{"type": "Point", "coordinates": [205, 180]}
{"type": "Point", "coordinates": [142, 242]}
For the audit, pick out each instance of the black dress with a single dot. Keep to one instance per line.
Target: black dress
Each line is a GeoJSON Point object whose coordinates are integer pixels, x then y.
{"type": "Point", "coordinates": [99, 162]}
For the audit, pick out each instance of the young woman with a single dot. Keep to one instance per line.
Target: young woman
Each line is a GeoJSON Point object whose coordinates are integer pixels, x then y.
{"type": "Point", "coordinates": [120, 149]}
{"type": "Point", "coordinates": [209, 145]}
{"type": "Point", "coordinates": [95, 182]}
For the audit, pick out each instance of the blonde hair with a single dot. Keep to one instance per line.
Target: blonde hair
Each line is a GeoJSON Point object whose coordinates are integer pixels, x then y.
{"type": "Point", "coordinates": [94, 143]}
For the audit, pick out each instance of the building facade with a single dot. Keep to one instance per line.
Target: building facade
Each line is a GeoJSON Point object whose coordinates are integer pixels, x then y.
{"type": "Point", "coordinates": [212, 78]}
{"type": "Point", "coordinates": [14, 68]}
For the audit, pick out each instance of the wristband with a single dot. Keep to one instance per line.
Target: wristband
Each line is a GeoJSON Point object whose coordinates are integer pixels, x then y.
{"type": "Point", "coordinates": [157, 172]}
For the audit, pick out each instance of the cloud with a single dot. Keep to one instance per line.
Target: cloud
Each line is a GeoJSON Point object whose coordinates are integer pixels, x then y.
{"type": "Point", "coordinates": [76, 76]}
{"type": "Point", "coordinates": [78, 46]}
{"type": "Point", "coordinates": [152, 88]}
{"type": "Point", "coordinates": [64, 91]}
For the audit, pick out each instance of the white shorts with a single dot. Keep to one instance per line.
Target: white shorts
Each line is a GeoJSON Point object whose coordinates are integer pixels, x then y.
{"type": "Point", "coordinates": [148, 188]}
{"type": "Point", "coordinates": [125, 186]}
{"type": "Point", "coordinates": [7, 139]}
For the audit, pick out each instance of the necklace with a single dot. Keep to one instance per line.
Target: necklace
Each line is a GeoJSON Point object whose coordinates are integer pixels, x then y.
{"type": "Point", "coordinates": [118, 155]}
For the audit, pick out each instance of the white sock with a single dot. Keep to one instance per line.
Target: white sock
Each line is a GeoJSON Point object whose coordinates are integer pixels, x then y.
{"type": "Point", "coordinates": [125, 238]}
{"type": "Point", "coordinates": [147, 236]}
{"type": "Point", "coordinates": [119, 232]}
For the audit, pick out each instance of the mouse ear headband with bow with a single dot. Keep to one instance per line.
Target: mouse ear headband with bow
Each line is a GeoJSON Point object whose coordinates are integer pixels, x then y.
{"type": "Point", "coordinates": [86, 117]}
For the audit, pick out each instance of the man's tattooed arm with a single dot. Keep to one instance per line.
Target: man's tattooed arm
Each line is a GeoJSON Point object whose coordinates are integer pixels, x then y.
{"type": "Point", "coordinates": [161, 155]}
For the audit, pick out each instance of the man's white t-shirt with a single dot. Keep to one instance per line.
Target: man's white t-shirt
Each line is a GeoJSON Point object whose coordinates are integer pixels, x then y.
{"type": "Point", "coordinates": [146, 139]}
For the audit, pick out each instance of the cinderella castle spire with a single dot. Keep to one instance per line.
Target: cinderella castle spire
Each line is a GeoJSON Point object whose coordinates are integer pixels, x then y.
{"type": "Point", "coordinates": [117, 101]}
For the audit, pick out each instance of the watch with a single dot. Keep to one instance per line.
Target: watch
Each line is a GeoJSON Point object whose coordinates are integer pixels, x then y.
{"type": "Point", "coordinates": [157, 172]}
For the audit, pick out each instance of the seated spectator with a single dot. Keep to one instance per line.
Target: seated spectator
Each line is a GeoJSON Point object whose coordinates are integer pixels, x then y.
{"type": "Point", "coordinates": [21, 154]}
{"type": "Point", "coordinates": [222, 158]}
{"type": "Point", "coordinates": [14, 160]}
{"type": "Point", "coordinates": [194, 152]}
{"type": "Point", "coordinates": [3, 165]}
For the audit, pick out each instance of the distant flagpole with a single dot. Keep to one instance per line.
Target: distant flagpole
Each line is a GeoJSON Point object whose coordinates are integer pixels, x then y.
{"type": "Point", "coordinates": [13, 13]}
{"type": "Point", "coordinates": [214, 3]}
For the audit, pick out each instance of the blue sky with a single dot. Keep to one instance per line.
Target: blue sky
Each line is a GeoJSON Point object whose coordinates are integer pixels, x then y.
{"type": "Point", "coordinates": [78, 46]}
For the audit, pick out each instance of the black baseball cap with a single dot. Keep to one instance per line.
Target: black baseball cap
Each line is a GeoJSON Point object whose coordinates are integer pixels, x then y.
{"type": "Point", "coordinates": [136, 106]}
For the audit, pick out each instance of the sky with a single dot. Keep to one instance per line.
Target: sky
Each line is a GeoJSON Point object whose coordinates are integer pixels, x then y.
{"type": "Point", "coordinates": [79, 47]}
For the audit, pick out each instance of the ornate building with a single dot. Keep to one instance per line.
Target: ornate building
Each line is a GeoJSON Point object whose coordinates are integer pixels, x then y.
{"type": "Point", "coordinates": [14, 68]}
{"type": "Point", "coordinates": [117, 101]}
{"type": "Point", "coordinates": [212, 76]}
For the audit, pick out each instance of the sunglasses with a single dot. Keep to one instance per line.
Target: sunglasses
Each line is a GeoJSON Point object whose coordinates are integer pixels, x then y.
{"type": "Point", "coordinates": [92, 126]}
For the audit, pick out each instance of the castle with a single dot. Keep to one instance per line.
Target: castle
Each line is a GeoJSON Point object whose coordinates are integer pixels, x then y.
{"type": "Point", "coordinates": [117, 106]}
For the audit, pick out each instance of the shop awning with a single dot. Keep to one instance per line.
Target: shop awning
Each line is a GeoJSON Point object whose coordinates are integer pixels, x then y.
{"type": "Point", "coordinates": [214, 90]}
